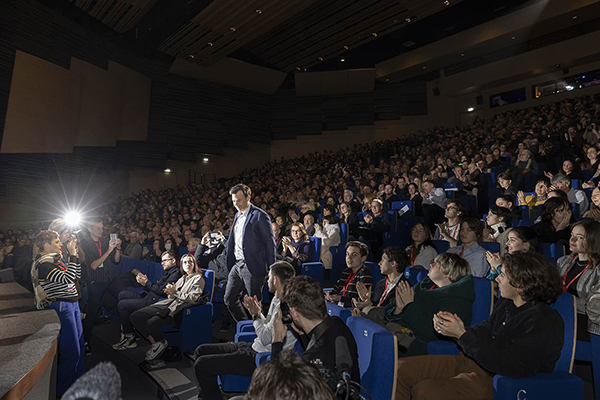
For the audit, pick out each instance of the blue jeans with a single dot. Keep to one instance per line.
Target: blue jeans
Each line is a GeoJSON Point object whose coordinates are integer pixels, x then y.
{"type": "Point", "coordinates": [71, 347]}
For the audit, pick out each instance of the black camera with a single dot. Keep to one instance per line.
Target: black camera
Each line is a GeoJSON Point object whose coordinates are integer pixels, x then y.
{"type": "Point", "coordinates": [286, 315]}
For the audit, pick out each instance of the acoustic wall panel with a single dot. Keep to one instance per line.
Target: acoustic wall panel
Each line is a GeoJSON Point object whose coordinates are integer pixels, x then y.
{"type": "Point", "coordinates": [135, 102]}
{"type": "Point", "coordinates": [41, 113]}
{"type": "Point", "coordinates": [99, 101]}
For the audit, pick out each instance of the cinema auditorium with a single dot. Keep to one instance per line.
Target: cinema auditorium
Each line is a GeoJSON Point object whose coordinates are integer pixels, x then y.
{"type": "Point", "coordinates": [300, 199]}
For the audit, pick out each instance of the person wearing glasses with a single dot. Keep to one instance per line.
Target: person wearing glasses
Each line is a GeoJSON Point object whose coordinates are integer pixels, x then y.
{"type": "Point", "coordinates": [450, 230]}
{"type": "Point", "coordinates": [132, 301]}
{"type": "Point", "coordinates": [297, 248]}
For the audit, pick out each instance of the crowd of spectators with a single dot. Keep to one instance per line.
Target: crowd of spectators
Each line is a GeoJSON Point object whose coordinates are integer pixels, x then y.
{"type": "Point", "coordinates": [541, 157]}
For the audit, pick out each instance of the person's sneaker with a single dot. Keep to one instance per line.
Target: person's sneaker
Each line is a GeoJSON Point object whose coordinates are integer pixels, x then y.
{"type": "Point", "coordinates": [156, 350]}
{"type": "Point", "coordinates": [88, 349]}
{"type": "Point", "coordinates": [126, 342]}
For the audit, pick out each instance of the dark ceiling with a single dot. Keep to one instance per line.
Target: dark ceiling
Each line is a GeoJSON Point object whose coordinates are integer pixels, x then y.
{"type": "Point", "coordinates": [287, 35]}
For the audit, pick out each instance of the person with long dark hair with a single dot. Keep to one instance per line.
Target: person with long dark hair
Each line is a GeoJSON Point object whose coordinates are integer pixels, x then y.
{"type": "Point", "coordinates": [580, 271]}
{"type": "Point", "coordinates": [421, 250]}
{"type": "Point", "coordinates": [555, 219]}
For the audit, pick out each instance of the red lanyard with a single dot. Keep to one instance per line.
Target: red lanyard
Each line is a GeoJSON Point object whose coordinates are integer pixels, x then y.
{"type": "Point", "coordinates": [412, 258]}
{"type": "Point", "coordinates": [348, 282]}
{"type": "Point", "coordinates": [453, 235]}
{"type": "Point", "coordinates": [432, 287]}
{"type": "Point", "coordinates": [564, 280]}
{"type": "Point", "coordinates": [462, 251]}
{"type": "Point", "coordinates": [99, 246]}
{"type": "Point", "coordinates": [384, 294]}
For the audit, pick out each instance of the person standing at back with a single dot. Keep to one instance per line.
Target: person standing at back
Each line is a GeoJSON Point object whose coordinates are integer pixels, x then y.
{"type": "Point", "coordinates": [250, 251]}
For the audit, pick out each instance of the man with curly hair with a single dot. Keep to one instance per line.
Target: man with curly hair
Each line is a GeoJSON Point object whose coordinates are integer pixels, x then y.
{"type": "Point", "coordinates": [523, 336]}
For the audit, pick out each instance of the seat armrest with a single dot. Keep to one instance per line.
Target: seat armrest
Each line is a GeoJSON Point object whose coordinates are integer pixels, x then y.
{"type": "Point", "coordinates": [242, 326]}
{"type": "Point", "coordinates": [262, 357]}
{"type": "Point", "coordinates": [245, 337]}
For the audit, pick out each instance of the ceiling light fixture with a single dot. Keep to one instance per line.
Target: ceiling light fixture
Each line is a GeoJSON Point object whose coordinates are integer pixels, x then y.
{"type": "Point", "coordinates": [343, 59]}
{"type": "Point", "coordinates": [210, 44]}
{"type": "Point", "coordinates": [374, 34]}
{"type": "Point", "coordinates": [470, 109]}
{"type": "Point", "coordinates": [320, 58]}
{"type": "Point", "coordinates": [259, 12]}
{"type": "Point", "coordinates": [513, 38]}
{"type": "Point", "coordinates": [574, 16]}
{"type": "Point", "coordinates": [462, 54]}
{"type": "Point", "coordinates": [191, 56]}
{"type": "Point", "coordinates": [424, 67]}
{"type": "Point", "coordinates": [345, 47]}
{"type": "Point", "coordinates": [167, 170]}
{"type": "Point", "coordinates": [407, 19]}
{"type": "Point", "coordinates": [205, 159]}
{"type": "Point", "coordinates": [232, 29]}
{"type": "Point", "coordinates": [447, 2]}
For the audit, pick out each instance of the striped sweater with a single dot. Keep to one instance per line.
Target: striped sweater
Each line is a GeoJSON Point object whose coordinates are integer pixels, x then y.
{"type": "Point", "coordinates": [57, 277]}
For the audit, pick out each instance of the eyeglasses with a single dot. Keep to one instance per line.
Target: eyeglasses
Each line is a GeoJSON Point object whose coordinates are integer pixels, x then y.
{"type": "Point", "coordinates": [167, 260]}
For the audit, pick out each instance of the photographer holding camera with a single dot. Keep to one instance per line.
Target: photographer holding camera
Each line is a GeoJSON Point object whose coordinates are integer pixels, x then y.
{"type": "Point", "coordinates": [211, 253]}
{"type": "Point", "coordinates": [328, 343]}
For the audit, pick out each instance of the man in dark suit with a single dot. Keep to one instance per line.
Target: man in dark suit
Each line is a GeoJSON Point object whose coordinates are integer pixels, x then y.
{"type": "Point", "coordinates": [250, 251]}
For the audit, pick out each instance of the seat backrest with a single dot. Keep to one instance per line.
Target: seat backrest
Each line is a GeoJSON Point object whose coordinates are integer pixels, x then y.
{"type": "Point", "coordinates": [553, 250]}
{"type": "Point", "coordinates": [522, 222]}
{"type": "Point", "coordinates": [415, 274]}
{"type": "Point", "coordinates": [493, 247]}
{"type": "Point", "coordinates": [375, 271]}
{"type": "Point", "coordinates": [333, 310]}
{"type": "Point", "coordinates": [209, 286]}
{"type": "Point", "coordinates": [377, 357]}
{"type": "Point", "coordinates": [484, 300]}
{"type": "Point", "coordinates": [315, 243]}
{"type": "Point", "coordinates": [442, 246]}
{"type": "Point", "coordinates": [398, 205]}
{"type": "Point", "coordinates": [567, 308]}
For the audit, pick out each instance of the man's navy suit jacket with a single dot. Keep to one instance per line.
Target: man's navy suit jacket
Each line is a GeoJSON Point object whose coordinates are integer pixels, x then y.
{"type": "Point", "coordinates": [258, 244]}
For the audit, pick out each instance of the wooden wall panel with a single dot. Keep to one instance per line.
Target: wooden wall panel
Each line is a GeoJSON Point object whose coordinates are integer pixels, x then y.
{"type": "Point", "coordinates": [100, 102]}
{"type": "Point", "coordinates": [135, 103]}
{"type": "Point", "coordinates": [41, 108]}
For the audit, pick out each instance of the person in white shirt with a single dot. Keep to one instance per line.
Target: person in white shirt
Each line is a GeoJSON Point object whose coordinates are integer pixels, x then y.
{"type": "Point", "coordinates": [434, 203]}
{"type": "Point", "coordinates": [238, 358]}
{"type": "Point", "coordinates": [330, 237]}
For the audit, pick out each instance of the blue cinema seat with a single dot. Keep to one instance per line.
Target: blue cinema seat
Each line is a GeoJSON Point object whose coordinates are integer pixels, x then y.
{"type": "Point", "coordinates": [377, 357]}
{"type": "Point", "coordinates": [560, 384]}
{"type": "Point", "coordinates": [415, 274]}
{"type": "Point", "coordinates": [482, 309]}
{"type": "Point", "coordinates": [196, 325]}
{"type": "Point", "coordinates": [334, 310]}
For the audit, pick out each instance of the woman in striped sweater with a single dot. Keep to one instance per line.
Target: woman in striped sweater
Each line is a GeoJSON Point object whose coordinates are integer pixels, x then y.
{"type": "Point", "coordinates": [54, 287]}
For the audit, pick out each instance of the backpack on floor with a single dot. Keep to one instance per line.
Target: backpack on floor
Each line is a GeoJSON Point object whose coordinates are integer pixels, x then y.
{"type": "Point", "coordinates": [172, 354]}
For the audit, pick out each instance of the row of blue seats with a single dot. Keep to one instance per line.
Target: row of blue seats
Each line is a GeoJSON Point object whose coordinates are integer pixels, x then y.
{"type": "Point", "coordinates": [560, 384]}
{"type": "Point", "coordinates": [377, 358]}
{"type": "Point", "coordinates": [196, 325]}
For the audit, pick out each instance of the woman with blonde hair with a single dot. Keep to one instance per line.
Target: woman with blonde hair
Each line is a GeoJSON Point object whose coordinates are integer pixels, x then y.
{"type": "Point", "coordinates": [449, 285]}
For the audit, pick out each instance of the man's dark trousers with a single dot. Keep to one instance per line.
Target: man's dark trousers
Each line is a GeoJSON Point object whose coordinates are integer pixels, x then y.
{"type": "Point", "coordinates": [214, 359]}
